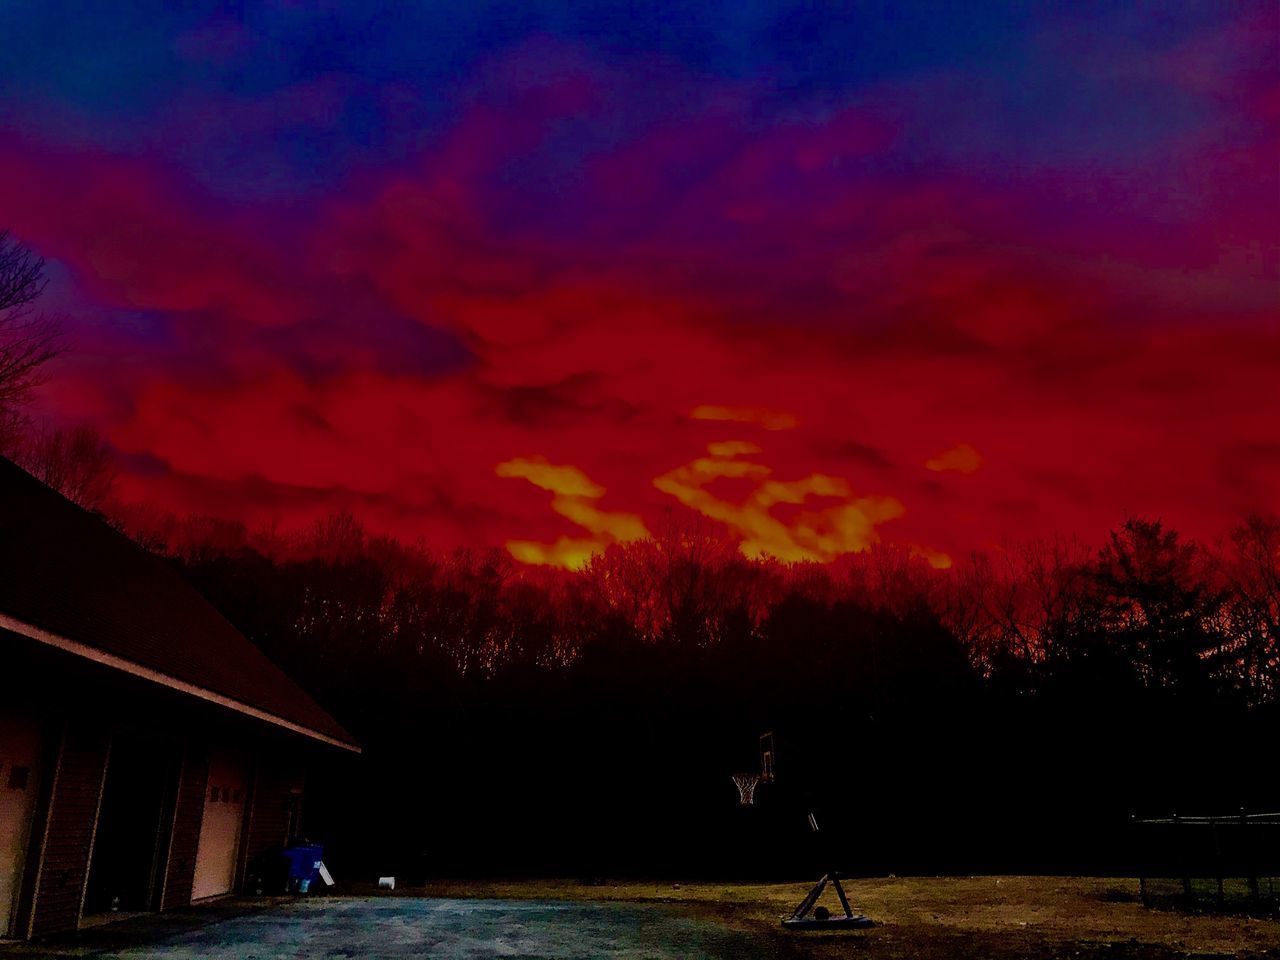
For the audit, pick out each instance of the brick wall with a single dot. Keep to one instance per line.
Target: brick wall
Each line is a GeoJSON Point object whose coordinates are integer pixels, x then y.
{"type": "Point", "coordinates": [188, 812]}
{"type": "Point", "coordinates": [68, 837]}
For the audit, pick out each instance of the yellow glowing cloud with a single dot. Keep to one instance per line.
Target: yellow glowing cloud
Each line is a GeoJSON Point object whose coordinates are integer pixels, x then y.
{"type": "Point", "coordinates": [732, 448]}
{"type": "Point", "coordinates": [574, 498]}
{"type": "Point", "coordinates": [817, 534]}
{"type": "Point", "coordinates": [764, 417]}
{"type": "Point", "coordinates": [935, 558]}
{"type": "Point", "coordinates": [565, 552]}
{"type": "Point", "coordinates": [565, 480]}
{"type": "Point", "coordinates": [962, 458]}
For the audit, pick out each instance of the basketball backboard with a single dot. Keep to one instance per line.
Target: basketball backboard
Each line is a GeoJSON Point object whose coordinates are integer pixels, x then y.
{"type": "Point", "coordinates": [768, 757]}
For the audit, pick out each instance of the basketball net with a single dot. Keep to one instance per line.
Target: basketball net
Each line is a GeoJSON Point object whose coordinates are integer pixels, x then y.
{"type": "Point", "coordinates": [746, 784]}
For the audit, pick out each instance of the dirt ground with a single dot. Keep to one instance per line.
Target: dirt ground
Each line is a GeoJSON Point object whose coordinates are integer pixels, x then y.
{"type": "Point", "coordinates": [921, 918]}
{"type": "Point", "coordinates": [935, 917]}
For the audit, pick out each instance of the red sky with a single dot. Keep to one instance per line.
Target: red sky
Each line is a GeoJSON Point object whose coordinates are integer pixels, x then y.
{"type": "Point", "coordinates": [581, 290]}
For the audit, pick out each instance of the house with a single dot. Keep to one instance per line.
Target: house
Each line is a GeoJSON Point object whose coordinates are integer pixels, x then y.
{"type": "Point", "coordinates": [149, 752]}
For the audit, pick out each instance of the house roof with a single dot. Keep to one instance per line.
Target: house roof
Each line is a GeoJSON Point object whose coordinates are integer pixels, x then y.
{"type": "Point", "coordinates": [67, 579]}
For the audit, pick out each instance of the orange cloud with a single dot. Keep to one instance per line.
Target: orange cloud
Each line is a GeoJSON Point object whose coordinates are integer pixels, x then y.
{"type": "Point", "coordinates": [935, 558]}
{"type": "Point", "coordinates": [565, 481]}
{"type": "Point", "coordinates": [962, 458]}
{"type": "Point", "coordinates": [762, 416]}
{"type": "Point", "coordinates": [814, 534]}
{"type": "Point", "coordinates": [574, 498]}
{"type": "Point", "coordinates": [567, 552]}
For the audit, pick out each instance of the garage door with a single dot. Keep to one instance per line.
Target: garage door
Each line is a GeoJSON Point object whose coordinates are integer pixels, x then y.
{"type": "Point", "coordinates": [220, 827]}
{"type": "Point", "coordinates": [19, 751]}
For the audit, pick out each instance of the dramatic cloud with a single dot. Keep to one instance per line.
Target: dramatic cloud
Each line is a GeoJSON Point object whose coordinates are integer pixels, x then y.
{"type": "Point", "coordinates": [548, 289]}
{"type": "Point", "coordinates": [575, 499]}
{"type": "Point", "coordinates": [814, 534]}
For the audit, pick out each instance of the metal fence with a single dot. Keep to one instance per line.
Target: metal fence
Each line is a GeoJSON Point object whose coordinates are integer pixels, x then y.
{"type": "Point", "coordinates": [1227, 861]}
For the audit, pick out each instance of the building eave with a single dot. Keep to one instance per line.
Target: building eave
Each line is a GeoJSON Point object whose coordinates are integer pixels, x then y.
{"type": "Point", "coordinates": [96, 655]}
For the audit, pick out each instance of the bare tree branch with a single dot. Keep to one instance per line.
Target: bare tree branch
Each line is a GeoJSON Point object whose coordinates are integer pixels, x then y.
{"type": "Point", "coordinates": [28, 339]}
{"type": "Point", "coordinates": [74, 461]}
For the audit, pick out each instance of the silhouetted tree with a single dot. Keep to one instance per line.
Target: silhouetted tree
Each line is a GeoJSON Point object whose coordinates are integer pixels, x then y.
{"type": "Point", "coordinates": [1158, 608]}
{"type": "Point", "coordinates": [1251, 571]}
{"type": "Point", "coordinates": [75, 461]}
{"type": "Point", "coordinates": [1018, 606]}
{"type": "Point", "coordinates": [28, 339]}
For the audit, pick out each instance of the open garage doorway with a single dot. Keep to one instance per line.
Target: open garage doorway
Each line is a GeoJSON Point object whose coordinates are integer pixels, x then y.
{"type": "Point", "coordinates": [20, 749]}
{"type": "Point", "coordinates": [135, 821]}
{"type": "Point", "coordinates": [221, 826]}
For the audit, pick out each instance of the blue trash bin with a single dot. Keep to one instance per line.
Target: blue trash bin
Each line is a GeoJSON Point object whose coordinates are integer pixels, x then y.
{"type": "Point", "coordinates": [304, 866]}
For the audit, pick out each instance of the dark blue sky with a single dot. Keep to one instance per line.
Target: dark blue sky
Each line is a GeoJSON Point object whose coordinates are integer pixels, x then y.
{"type": "Point", "coordinates": [138, 75]}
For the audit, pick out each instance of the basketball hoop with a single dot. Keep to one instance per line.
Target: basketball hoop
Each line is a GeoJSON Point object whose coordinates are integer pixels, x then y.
{"type": "Point", "coordinates": [746, 784]}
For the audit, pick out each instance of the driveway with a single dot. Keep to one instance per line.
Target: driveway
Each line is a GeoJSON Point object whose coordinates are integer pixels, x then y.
{"type": "Point", "coordinates": [395, 927]}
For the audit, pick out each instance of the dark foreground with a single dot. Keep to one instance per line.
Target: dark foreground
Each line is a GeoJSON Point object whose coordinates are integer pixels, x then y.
{"type": "Point", "coordinates": [918, 918]}
{"type": "Point", "coordinates": [939, 918]}
{"type": "Point", "coordinates": [442, 929]}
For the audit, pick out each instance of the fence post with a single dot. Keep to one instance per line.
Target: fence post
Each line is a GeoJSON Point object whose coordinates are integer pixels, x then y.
{"type": "Point", "coordinates": [1141, 848]}
{"type": "Point", "coordinates": [1251, 862]}
{"type": "Point", "coordinates": [1182, 858]}
{"type": "Point", "coordinates": [1217, 861]}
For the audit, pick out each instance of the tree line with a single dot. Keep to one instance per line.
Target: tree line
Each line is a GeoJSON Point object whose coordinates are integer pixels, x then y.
{"type": "Point", "coordinates": [1062, 683]}
{"type": "Point", "coordinates": [1146, 609]}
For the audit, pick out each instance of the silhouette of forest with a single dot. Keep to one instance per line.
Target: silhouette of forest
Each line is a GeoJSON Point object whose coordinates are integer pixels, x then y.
{"type": "Point", "coordinates": [1007, 714]}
